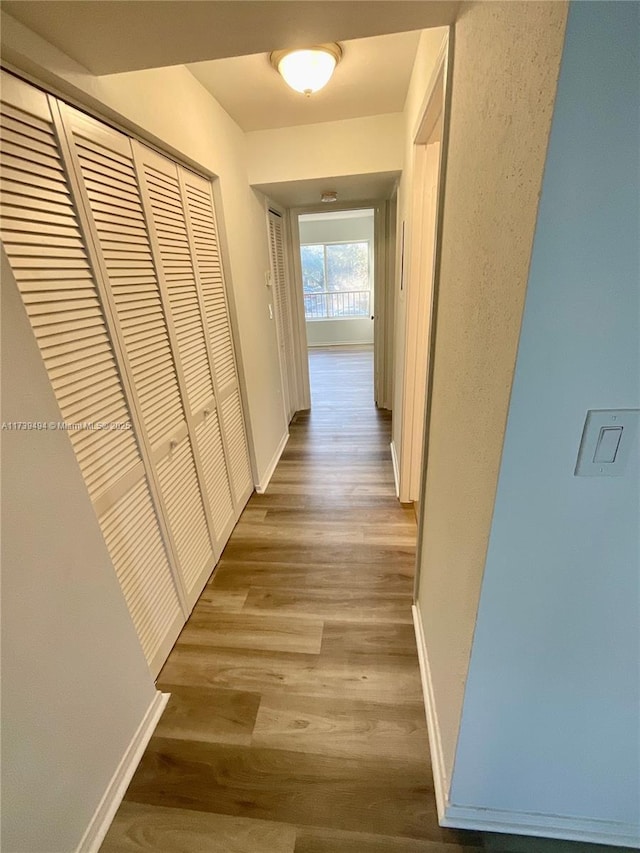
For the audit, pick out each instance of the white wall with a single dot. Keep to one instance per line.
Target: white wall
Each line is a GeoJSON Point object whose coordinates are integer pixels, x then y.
{"type": "Point", "coordinates": [170, 107]}
{"type": "Point", "coordinates": [75, 684]}
{"type": "Point", "coordinates": [355, 146]}
{"type": "Point", "coordinates": [357, 330]}
{"type": "Point", "coordinates": [551, 719]}
{"type": "Point", "coordinates": [506, 59]}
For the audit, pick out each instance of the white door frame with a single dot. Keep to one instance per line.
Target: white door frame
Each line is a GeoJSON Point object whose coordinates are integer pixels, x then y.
{"type": "Point", "coordinates": [445, 64]}
{"type": "Point", "coordinates": [287, 370]}
{"type": "Point", "coordinates": [423, 254]}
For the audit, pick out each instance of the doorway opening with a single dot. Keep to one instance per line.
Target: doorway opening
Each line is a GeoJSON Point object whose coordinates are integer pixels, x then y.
{"type": "Point", "coordinates": [340, 276]}
{"type": "Point", "coordinates": [337, 263]}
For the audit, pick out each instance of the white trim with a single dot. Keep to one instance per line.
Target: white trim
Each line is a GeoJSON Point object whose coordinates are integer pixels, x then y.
{"type": "Point", "coordinates": [542, 825]}
{"type": "Point", "coordinates": [112, 797]}
{"type": "Point", "coordinates": [435, 741]}
{"type": "Point", "coordinates": [495, 820]}
{"type": "Point", "coordinates": [261, 487]}
{"type": "Point", "coordinates": [396, 475]}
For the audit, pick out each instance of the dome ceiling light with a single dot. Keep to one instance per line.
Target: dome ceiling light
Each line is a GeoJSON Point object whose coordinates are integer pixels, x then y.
{"type": "Point", "coordinates": [307, 70]}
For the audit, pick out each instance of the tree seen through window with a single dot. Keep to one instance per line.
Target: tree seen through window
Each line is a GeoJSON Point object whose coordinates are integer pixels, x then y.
{"type": "Point", "coordinates": [336, 280]}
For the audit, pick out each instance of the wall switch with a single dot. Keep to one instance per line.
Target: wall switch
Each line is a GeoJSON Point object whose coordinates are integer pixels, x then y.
{"type": "Point", "coordinates": [608, 444]}
{"type": "Point", "coordinates": [608, 439]}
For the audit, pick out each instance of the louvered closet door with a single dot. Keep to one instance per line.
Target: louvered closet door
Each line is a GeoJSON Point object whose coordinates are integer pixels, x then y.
{"type": "Point", "coordinates": [42, 237]}
{"type": "Point", "coordinates": [163, 202]}
{"type": "Point", "coordinates": [283, 310]}
{"type": "Point", "coordinates": [108, 181]}
{"type": "Point", "coordinates": [201, 223]}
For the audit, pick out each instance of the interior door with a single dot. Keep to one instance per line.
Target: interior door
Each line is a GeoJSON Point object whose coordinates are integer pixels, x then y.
{"type": "Point", "coordinates": [109, 187]}
{"type": "Point", "coordinates": [283, 311]}
{"type": "Point", "coordinates": [56, 272]}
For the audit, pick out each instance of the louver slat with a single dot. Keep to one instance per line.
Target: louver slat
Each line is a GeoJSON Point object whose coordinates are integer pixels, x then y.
{"type": "Point", "coordinates": [209, 440]}
{"type": "Point", "coordinates": [207, 258]}
{"type": "Point", "coordinates": [186, 517]}
{"type": "Point", "coordinates": [168, 223]}
{"type": "Point", "coordinates": [131, 531]}
{"type": "Point", "coordinates": [63, 316]}
{"type": "Point", "coordinates": [238, 457]}
{"type": "Point", "coordinates": [146, 339]}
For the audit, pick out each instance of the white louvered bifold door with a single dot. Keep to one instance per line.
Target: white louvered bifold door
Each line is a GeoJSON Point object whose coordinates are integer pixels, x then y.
{"type": "Point", "coordinates": [56, 274]}
{"type": "Point", "coordinates": [201, 223]}
{"type": "Point", "coordinates": [283, 311]}
{"type": "Point", "coordinates": [108, 181]}
{"type": "Point", "coordinates": [163, 202]}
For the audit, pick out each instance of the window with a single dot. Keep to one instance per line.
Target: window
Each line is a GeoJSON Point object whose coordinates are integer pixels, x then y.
{"type": "Point", "coordinates": [336, 280]}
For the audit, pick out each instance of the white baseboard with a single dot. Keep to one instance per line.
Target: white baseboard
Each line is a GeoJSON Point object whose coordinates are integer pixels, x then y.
{"type": "Point", "coordinates": [435, 741]}
{"type": "Point", "coordinates": [112, 797]}
{"type": "Point", "coordinates": [396, 471]}
{"type": "Point", "coordinates": [495, 820]}
{"type": "Point", "coordinates": [542, 825]}
{"type": "Point", "coordinates": [261, 487]}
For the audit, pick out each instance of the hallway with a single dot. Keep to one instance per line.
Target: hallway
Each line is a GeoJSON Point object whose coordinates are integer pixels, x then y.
{"type": "Point", "coordinates": [296, 721]}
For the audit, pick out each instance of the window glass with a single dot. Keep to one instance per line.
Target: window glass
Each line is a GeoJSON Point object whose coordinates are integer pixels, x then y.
{"type": "Point", "coordinates": [313, 268]}
{"type": "Point", "coordinates": [336, 280]}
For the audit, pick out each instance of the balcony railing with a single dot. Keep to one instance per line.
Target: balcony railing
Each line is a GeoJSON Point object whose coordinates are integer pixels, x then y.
{"type": "Point", "coordinates": [338, 305]}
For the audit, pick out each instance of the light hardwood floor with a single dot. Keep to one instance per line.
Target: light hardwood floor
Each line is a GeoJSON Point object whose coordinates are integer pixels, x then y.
{"type": "Point", "coordinates": [296, 722]}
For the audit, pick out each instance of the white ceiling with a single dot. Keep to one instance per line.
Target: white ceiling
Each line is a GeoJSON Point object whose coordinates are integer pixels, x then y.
{"type": "Point", "coordinates": [350, 188]}
{"type": "Point", "coordinates": [372, 78]}
{"type": "Point", "coordinates": [109, 36]}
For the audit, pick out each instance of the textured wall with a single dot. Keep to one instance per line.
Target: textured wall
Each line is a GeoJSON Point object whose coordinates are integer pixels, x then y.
{"type": "Point", "coordinates": [552, 702]}
{"type": "Point", "coordinates": [505, 71]}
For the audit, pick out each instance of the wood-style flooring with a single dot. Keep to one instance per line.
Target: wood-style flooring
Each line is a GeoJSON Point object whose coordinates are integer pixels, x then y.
{"type": "Point", "coordinates": [296, 720]}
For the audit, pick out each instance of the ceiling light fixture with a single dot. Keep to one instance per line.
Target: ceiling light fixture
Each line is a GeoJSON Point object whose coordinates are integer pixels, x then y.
{"type": "Point", "coordinates": [307, 70]}
{"type": "Point", "coordinates": [329, 196]}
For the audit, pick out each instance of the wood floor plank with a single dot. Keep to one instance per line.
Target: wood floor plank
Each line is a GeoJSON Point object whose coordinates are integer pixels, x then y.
{"type": "Point", "coordinates": [364, 677]}
{"type": "Point", "coordinates": [314, 840]}
{"type": "Point", "coordinates": [343, 639]}
{"type": "Point", "coordinates": [342, 727]}
{"type": "Point", "coordinates": [225, 600]}
{"type": "Point", "coordinates": [323, 533]}
{"type": "Point", "coordinates": [140, 828]}
{"type": "Point", "coordinates": [246, 631]}
{"type": "Point", "coordinates": [239, 576]}
{"type": "Point", "coordinates": [209, 714]}
{"type": "Point", "coordinates": [337, 555]}
{"type": "Point", "coordinates": [325, 604]}
{"type": "Point", "coordinates": [363, 795]}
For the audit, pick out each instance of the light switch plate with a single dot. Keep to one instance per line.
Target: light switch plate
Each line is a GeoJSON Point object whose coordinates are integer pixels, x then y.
{"type": "Point", "coordinates": [596, 421]}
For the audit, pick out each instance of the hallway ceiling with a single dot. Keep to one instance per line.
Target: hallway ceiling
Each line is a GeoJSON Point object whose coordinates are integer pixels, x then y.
{"type": "Point", "coordinates": [371, 79]}
{"type": "Point", "coordinates": [110, 36]}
